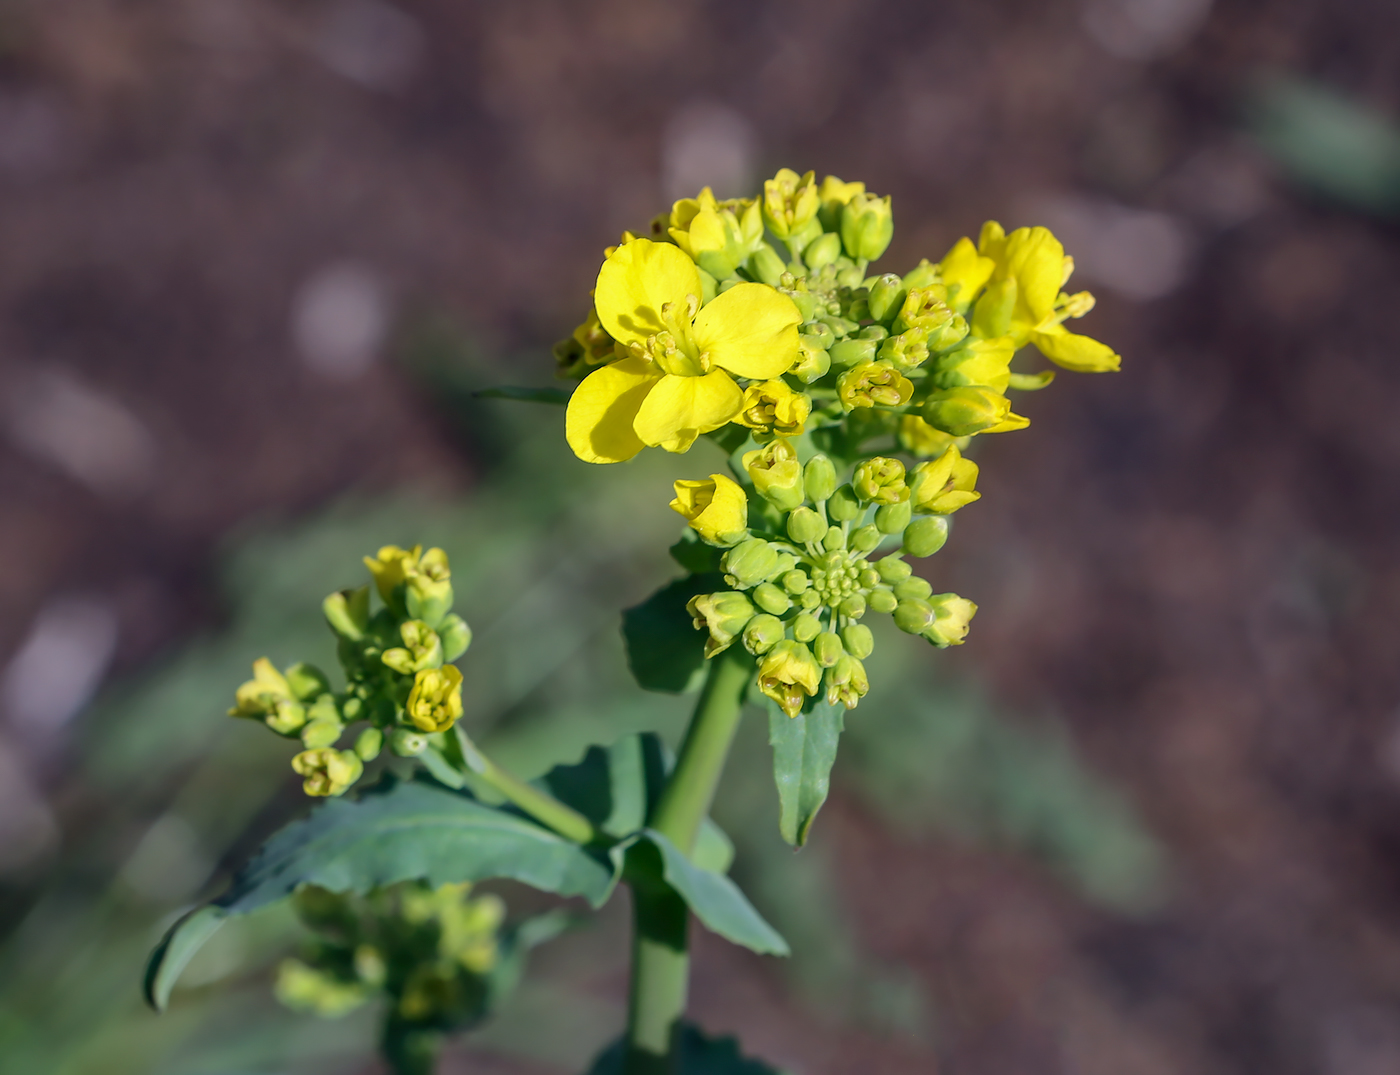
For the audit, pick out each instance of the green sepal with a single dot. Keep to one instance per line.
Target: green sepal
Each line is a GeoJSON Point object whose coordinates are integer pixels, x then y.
{"type": "Point", "coordinates": [804, 749]}
{"type": "Point", "coordinates": [664, 650]}
{"type": "Point", "coordinates": [1031, 382]}
{"type": "Point", "coordinates": [698, 1055]}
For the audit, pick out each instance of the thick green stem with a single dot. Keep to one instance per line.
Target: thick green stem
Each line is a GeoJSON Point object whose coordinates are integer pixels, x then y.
{"type": "Point", "coordinates": [540, 805]}
{"type": "Point", "coordinates": [660, 958]}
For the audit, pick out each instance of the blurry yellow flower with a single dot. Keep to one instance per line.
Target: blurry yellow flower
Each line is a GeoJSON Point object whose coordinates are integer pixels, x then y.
{"type": "Point", "coordinates": [435, 703]}
{"type": "Point", "coordinates": [327, 771]}
{"type": "Point", "coordinates": [716, 509]}
{"type": "Point", "coordinates": [392, 566]}
{"type": "Point", "coordinates": [677, 384]}
{"type": "Point", "coordinates": [833, 195]}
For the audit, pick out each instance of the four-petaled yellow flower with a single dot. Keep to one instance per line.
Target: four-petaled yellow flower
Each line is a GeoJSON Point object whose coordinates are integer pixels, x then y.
{"type": "Point", "coordinates": [679, 381]}
{"type": "Point", "coordinates": [945, 484]}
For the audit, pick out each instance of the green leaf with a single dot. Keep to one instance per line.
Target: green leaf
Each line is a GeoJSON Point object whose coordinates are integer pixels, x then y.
{"type": "Point", "coordinates": [804, 749]}
{"type": "Point", "coordinates": [694, 555]}
{"type": "Point", "coordinates": [175, 951]}
{"type": "Point", "coordinates": [664, 650]}
{"type": "Point", "coordinates": [700, 1055]}
{"type": "Point", "coordinates": [556, 396]}
{"type": "Point", "coordinates": [714, 850]}
{"type": "Point", "coordinates": [714, 898]}
{"type": "Point", "coordinates": [395, 832]}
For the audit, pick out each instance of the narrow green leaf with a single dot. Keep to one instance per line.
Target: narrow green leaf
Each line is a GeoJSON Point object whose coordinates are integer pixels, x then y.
{"type": "Point", "coordinates": [804, 749]}
{"type": "Point", "coordinates": [715, 899]}
{"type": "Point", "coordinates": [394, 832]}
{"type": "Point", "coordinates": [175, 951]}
{"type": "Point", "coordinates": [664, 650]}
{"type": "Point", "coordinates": [700, 1055]}
{"type": "Point", "coordinates": [556, 396]}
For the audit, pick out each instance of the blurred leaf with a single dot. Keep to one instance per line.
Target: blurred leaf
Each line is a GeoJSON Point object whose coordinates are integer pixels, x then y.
{"type": "Point", "coordinates": [804, 750]}
{"type": "Point", "coordinates": [395, 832]}
{"type": "Point", "coordinates": [175, 951]}
{"type": "Point", "coordinates": [714, 898]}
{"type": "Point", "coordinates": [700, 1055]}
{"type": "Point", "coordinates": [664, 650]}
{"type": "Point", "coordinates": [694, 555]}
{"type": "Point", "coordinates": [555, 396]}
{"type": "Point", "coordinates": [714, 850]}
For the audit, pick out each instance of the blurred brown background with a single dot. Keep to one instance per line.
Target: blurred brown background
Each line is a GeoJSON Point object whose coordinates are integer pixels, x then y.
{"type": "Point", "coordinates": [222, 219]}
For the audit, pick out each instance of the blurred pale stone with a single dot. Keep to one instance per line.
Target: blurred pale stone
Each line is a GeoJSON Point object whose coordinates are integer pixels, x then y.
{"type": "Point", "coordinates": [340, 318]}
{"type": "Point", "coordinates": [59, 665]}
{"type": "Point", "coordinates": [708, 145]}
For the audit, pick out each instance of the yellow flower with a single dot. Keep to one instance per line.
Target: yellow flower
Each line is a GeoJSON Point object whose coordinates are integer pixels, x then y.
{"type": "Point", "coordinates": [716, 509]}
{"type": "Point", "coordinates": [677, 383]}
{"type": "Point", "coordinates": [846, 682]}
{"type": "Point", "coordinates": [833, 195]}
{"type": "Point", "coordinates": [869, 383]}
{"type": "Point", "coordinates": [771, 407]}
{"type": "Point", "coordinates": [867, 226]}
{"type": "Point", "coordinates": [977, 362]}
{"type": "Point", "coordinates": [790, 202]}
{"type": "Point", "coordinates": [965, 411]}
{"type": "Point", "coordinates": [789, 674]}
{"type": "Point", "coordinates": [776, 474]}
{"type": "Point", "coordinates": [718, 236]}
{"type": "Point", "coordinates": [724, 615]}
{"type": "Point", "coordinates": [920, 439]}
{"type": "Point", "coordinates": [435, 703]}
{"type": "Point", "coordinates": [328, 771]}
{"type": "Point", "coordinates": [261, 693]}
{"type": "Point", "coordinates": [944, 485]}
{"type": "Point", "coordinates": [392, 566]}
{"type": "Point", "coordinates": [880, 480]}
{"type": "Point", "coordinates": [422, 648]}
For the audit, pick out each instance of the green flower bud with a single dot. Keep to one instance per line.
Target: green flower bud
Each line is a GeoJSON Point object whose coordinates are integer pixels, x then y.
{"type": "Point", "coordinates": [886, 296]}
{"type": "Point", "coordinates": [422, 648]}
{"type": "Point", "coordinates": [805, 525]}
{"type": "Point", "coordinates": [822, 251]}
{"type": "Point", "coordinates": [819, 478]}
{"type": "Point", "coordinates": [828, 649]}
{"type": "Point", "coordinates": [869, 577]}
{"type": "Point", "coordinates": [812, 361]}
{"type": "Point", "coordinates": [865, 538]}
{"type": "Point", "coordinates": [771, 599]}
{"type": "Point", "coordinates": [803, 299]}
{"type": "Point", "coordinates": [317, 734]}
{"type": "Point", "coordinates": [285, 717]}
{"type": "Point", "coordinates": [947, 335]}
{"type": "Point", "coordinates": [348, 612]}
{"type": "Point", "coordinates": [796, 582]}
{"type": "Point", "coordinates": [763, 633]}
{"type": "Point", "coordinates": [978, 362]}
{"type": "Point", "coordinates": [853, 606]}
{"type": "Point", "coordinates": [776, 474]}
{"type": "Point", "coordinates": [961, 412]}
{"type": "Point", "coordinates": [765, 264]}
{"type": "Point", "coordinates": [892, 518]}
{"type": "Point", "coordinates": [853, 352]}
{"type": "Point", "coordinates": [749, 563]}
{"type": "Point", "coordinates": [913, 615]}
{"type": "Point", "coordinates": [428, 599]}
{"type": "Point", "coordinates": [905, 351]}
{"type": "Point", "coordinates": [368, 744]}
{"type": "Point", "coordinates": [926, 535]}
{"type": "Point", "coordinates": [805, 627]}
{"type": "Point", "coordinates": [893, 569]}
{"type": "Point", "coordinates": [867, 226]}
{"type": "Point", "coordinates": [834, 540]}
{"type": "Point", "coordinates": [306, 681]}
{"type": "Point", "coordinates": [843, 507]}
{"type": "Point", "coordinates": [327, 772]}
{"type": "Point", "coordinates": [912, 587]}
{"type": "Point", "coordinates": [456, 637]}
{"type": "Point", "coordinates": [406, 743]}
{"type": "Point", "coordinates": [846, 682]}
{"type": "Point", "coordinates": [880, 480]}
{"type": "Point", "coordinates": [809, 600]}
{"type": "Point", "coordinates": [789, 674]}
{"type": "Point", "coordinates": [858, 639]}
{"type": "Point", "coordinates": [874, 332]}
{"type": "Point", "coordinates": [883, 601]}
{"type": "Point", "coordinates": [922, 275]}
{"type": "Point", "coordinates": [819, 334]}
{"type": "Point", "coordinates": [724, 614]}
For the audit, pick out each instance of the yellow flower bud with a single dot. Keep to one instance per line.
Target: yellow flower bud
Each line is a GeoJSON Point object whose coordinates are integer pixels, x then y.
{"type": "Point", "coordinates": [328, 772]}
{"type": "Point", "coordinates": [962, 412]}
{"type": "Point", "coordinates": [789, 674]}
{"type": "Point", "coordinates": [773, 408]}
{"type": "Point", "coordinates": [716, 509]}
{"type": "Point", "coordinates": [920, 439]}
{"type": "Point", "coordinates": [881, 480]}
{"type": "Point", "coordinates": [905, 351]}
{"type": "Point", "coordinates": [925, 535]}
{"type": "Point", "coordinates": [867, 226]}
{"type": "Point", "coordinates": [846, 682]}
{"type": "Point", "coordinates": [435, 703]}
{"type": "Point", "coordinates": [871, 383]}
{"type": "Point", "coordinates": [422, 648]}
{"type": "Point", "coordinates": [790, 202]}
{"type": "Point", "coordinates": [833, 195]}
{"type": "Point", "coordinates": [391, 567]}
{"type": "Point", "coordinates": [723, 614]}
{"type": "Point", "coordinates": [944, 485]}
{"type": "Point", "coordinates": [348, 612]}
{"type": "Point", "coordinates": [776, 474]}
{"type": "Point", "coordinates": [717, 235]}
{"type": "Point", "coordinates": [813, 361]}
{"type": "Point", "coordinates": [597, 346]}
{"type": "Point", "coordinates": [260, 695]}
{"type": "Point", "coordinates": [977, 362]}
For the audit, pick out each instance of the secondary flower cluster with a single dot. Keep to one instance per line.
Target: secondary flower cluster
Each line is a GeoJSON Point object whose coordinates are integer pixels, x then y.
{"type": "Point", "coordinates": [399, 679]}
{"type": "Point", "coordinates": [705, 324]}
{"type": "Point", "coordinates": [800, 590]}
{"type": "Point", "coordinates": [428, 949]}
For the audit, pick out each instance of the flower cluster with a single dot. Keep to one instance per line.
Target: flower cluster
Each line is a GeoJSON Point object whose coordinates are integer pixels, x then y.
{"type": "Point", "coordinates": [396, 661]}
{"type": "Point", "coordinates": [427, 949]}
{"type": "Point", "coordinates": [758, 323]}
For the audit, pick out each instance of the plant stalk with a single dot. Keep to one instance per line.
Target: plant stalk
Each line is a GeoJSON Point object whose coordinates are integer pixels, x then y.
{"type": "Point", "coordinates": [660, 953]}
{"type": "Point", "coordinates": [540, 805]}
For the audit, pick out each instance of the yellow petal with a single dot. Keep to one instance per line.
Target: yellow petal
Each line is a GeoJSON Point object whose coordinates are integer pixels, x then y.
{"type": "Point", "coordinates": [598, 423]}
{"type": "Point", "coordinates": [635, 281]}
{"type": "Point", "coordinates": [1079, 353]}
{"type": "Point", "coordinates": [964, 272]}
{"type": "Point", "coordinates": [1035, 259]}
{"type": "Point", "coordinates": [679, 409]}
{"type": "Point", "coordinates": [750, 330]}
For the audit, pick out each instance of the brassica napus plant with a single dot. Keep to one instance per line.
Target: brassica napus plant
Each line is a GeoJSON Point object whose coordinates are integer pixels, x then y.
{"type": "Point", "coordinates": [846, 405]}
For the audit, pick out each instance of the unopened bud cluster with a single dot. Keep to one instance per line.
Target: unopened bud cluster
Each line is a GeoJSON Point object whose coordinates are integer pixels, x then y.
{"type": "Point", "coordinates": [799, 595]}
{"type": "Point", "coordinates": [399, 682]}
{"type": "Point", "coordinates": [427, 950]}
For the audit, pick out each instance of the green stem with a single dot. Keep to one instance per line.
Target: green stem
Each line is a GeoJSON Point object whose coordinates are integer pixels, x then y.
{"type": "Point", "coordinates": [540, 805]}
{"type": "Point", "coordinates": [660, 958]}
